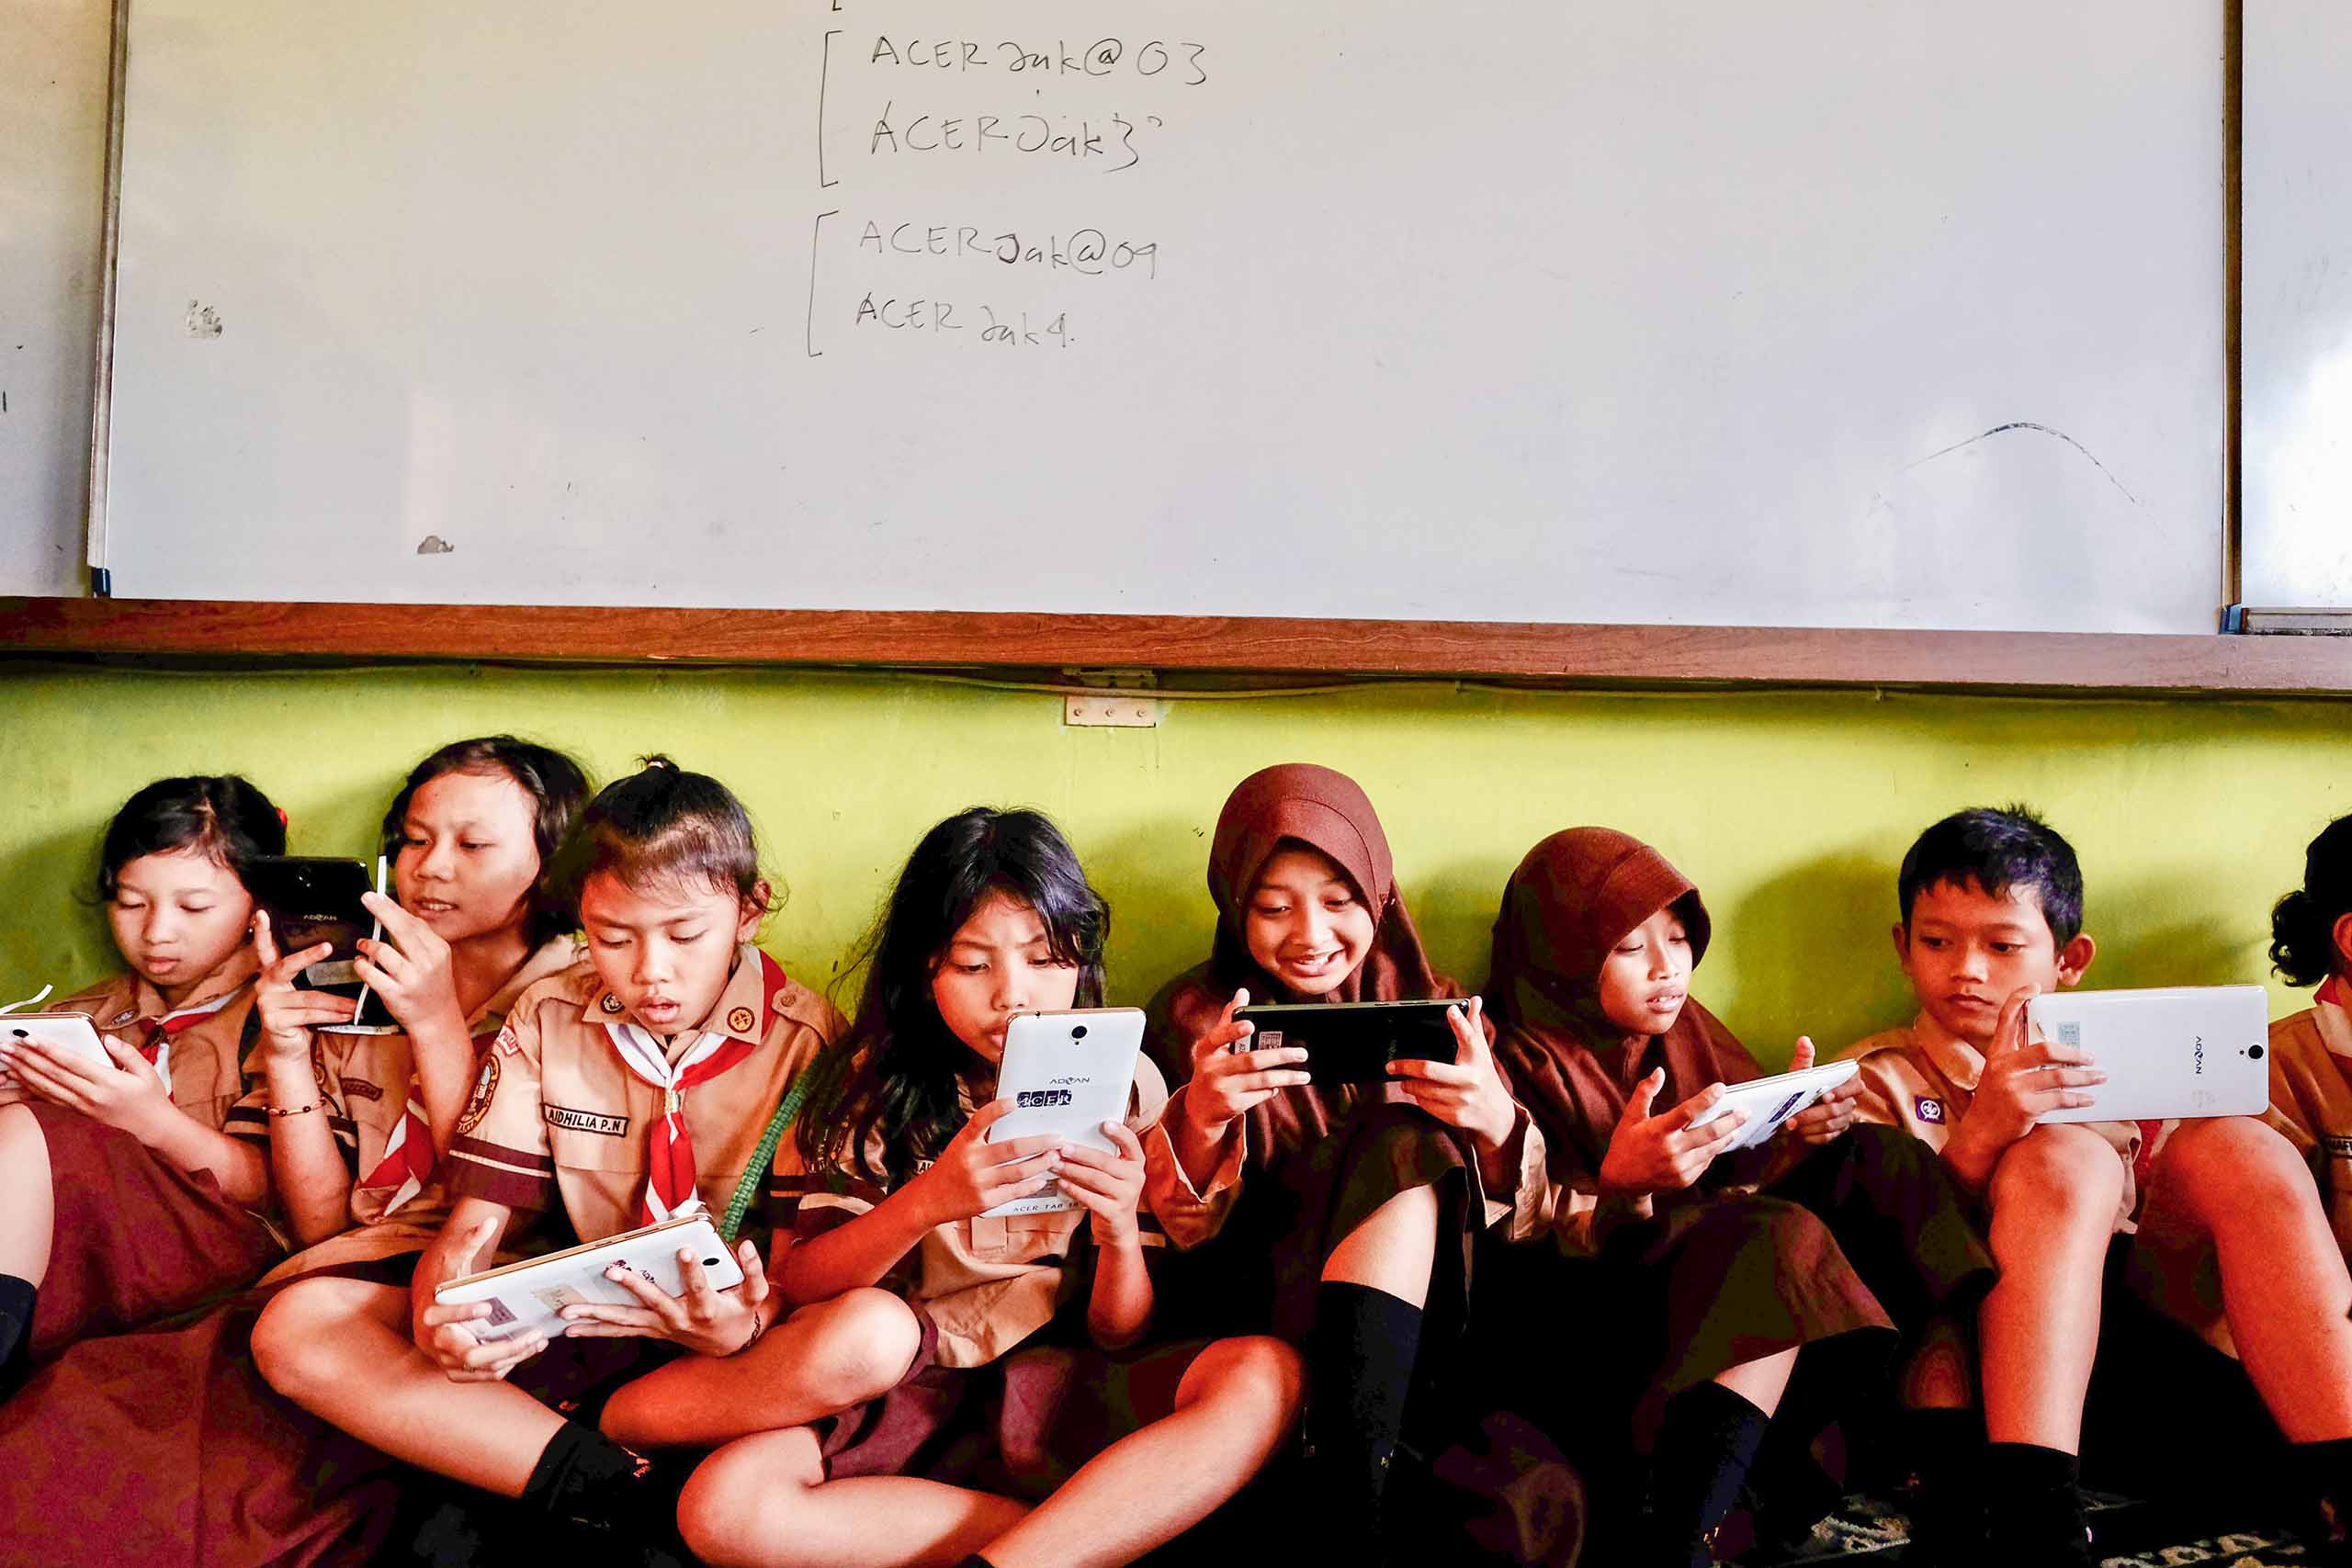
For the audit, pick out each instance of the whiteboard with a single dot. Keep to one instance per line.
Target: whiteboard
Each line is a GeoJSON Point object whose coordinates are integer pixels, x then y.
{"type": "Point", "coordinates": [2297, 350]}
{"type": "Point", "coordinates": [1827, 312]}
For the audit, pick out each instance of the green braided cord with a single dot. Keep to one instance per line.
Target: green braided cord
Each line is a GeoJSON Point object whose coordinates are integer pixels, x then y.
{"type": "Point", "coordinates": [786, 1108]}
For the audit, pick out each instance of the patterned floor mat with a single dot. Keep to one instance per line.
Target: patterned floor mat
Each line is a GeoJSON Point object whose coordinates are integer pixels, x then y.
{"type": "Point", "coordinates": [1868, 1532]}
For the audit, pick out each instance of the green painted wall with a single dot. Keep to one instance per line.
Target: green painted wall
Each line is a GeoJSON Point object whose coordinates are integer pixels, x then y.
{"type": "Point", "coordinates": [1789, 809]}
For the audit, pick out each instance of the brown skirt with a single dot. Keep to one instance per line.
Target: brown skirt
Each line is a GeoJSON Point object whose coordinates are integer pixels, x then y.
{"type": "Point", "coordinates": [136, 1238]}
{"type": "Point", "coordinates": [1022, 1425]}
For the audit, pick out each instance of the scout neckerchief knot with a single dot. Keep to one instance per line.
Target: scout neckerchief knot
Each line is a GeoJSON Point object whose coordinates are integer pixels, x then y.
{"type": "Point", "coordinates": [155, 1043]}
{"type": "Point", "coordinates": [670, 1181]}
{"type": "Point", "coordinates": [407, 1160]}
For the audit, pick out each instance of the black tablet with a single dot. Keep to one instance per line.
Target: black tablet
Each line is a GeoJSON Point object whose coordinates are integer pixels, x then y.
{"type": "Point", "coordinates": [1353, 1043]}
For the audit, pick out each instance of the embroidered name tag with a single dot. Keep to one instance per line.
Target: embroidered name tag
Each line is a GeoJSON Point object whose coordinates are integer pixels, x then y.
{"type": "Point", "coordinates": [585, 1120]}
{"type": "Point", "coordinates": [1926, 1109]}
{"type": "Point", "coordinates": [123, 1016]}
{"type": "Point", "coordinates": [362, 1088]}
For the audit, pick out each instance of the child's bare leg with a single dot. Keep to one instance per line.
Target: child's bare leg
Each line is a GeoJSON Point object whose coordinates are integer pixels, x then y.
{"type": "Point", "coordinates": [821, 1359]}
{"type": "Point", "coordinates": [763, 1502]}
{"type": "Point", "coordinates": [1937, 1374]}
{"type": "Point", "coordinates": [1761, 1381]}
{"type": "Point", "coordinates": [340, 1348]}
{"type": "Point", "coordinates": [2235, 1181]}
{"type": "Point", "coordinates": [1237, 1401]}
{"type": "Point", "coordinates": [29, 1217]}
{"type": "Point", "coordinates": [1392, 1250]}
{"type": "Point", "coordinates": [2054, 1195]}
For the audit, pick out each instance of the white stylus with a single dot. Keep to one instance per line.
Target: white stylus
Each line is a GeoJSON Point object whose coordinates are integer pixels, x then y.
{"type": "Point", "coordinates": [383, 868]}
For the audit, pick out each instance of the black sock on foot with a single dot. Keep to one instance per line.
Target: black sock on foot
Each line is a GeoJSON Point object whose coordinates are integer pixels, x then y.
{"type": "Point", "coordinates": [1947, 1450]}
{"type": "Point", "coordinates": [1360, 1359]}
{"type": "Point", "coordinates": [1706, 1442]}
{"type": "Point", "coordinates": [585, 1476]}
{"type": "Point", "coordinates": [18, 1299]}
{"type": "Point", "coordinates": [2033, 1505]}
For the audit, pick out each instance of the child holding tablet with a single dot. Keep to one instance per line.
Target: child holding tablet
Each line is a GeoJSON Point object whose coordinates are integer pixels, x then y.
{"type": "Point", "coordinates": [2230, 1237]}
{"type": "Point", "coordinates": [619, 1091]}
{"type": "Point", "coordinates": [1338, 1217]}
{"type": "Point", "coordinates": [125, 1202]}
{"type": "Point", "coordinates": [1698, 1288]}
{"type": "Point", "coordinates": [228, 1470]}
{"type": "Point", "coordinates": [925, 1312]}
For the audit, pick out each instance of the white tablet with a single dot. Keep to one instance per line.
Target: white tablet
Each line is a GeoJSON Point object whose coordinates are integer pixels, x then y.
{"type": "Point", "coordinates": [531, 1294]}
{"type": "Point", "coordinates": [70, 1034]}
{"type": "Point", "coordinates": [1066, 1073]}
{"type": "Point", "coordinates": [2168, 1051]}
{"type": "Point", "coordinates": [1769, 1102]}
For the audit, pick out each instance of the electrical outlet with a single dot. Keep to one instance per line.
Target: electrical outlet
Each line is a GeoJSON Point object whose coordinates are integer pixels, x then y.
{"type": "Point", "coordinates": [1111, 710]}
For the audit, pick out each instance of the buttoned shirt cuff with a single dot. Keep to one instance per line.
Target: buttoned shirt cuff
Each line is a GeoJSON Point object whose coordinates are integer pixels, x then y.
{"type": "Point", "coordinates": [1191, 1214]}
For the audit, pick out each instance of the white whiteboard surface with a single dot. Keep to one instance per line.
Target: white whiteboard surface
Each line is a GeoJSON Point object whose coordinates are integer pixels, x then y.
{"type": "Point", "coordinates": [1822, 312]}
{"type": "Point", "coordinates": [53, 69]}
{"type": "Point", "coordinates": [2297, 516]}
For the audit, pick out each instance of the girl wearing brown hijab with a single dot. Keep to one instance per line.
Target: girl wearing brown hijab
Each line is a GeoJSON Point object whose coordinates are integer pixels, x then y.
{"type": "Point", "coordinates": [1704, 1283]}
{"type": "Point", "coordinates": [1340, 1217]}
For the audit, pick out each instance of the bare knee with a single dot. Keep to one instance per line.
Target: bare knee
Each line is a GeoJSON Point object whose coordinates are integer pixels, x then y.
{"type": "Point", "coordinates": [24, 1150]}
{"type": "Point", "coordinates": [863, 1344]}
{"type": "Point", "coordinates": [2062, 1175]}
{"type": "Point", "coordinates": [2229, 1166]}
{"type": "Point", "coordinates": [726, 1509]}
{"type": "Point", "coordinates": [303, 1342]}
{"type": "Point", "coordinates": [1256, 1378]}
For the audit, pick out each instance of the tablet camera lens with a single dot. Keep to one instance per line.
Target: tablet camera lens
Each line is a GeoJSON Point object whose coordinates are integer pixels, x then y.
{"type": "Point", "coordinates": [2255, 1052]}
{"type": "Point", "coordinates": [710, 1262]}
{"type": "Point", "coordinates": [1078, 1031]}
{"type": "Point", "coordinates": [21, 1034]}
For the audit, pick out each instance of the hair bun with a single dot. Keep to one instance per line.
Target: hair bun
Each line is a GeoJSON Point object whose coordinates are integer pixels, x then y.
{"type": "Point", "coordinates": [658, 763]}
{"type": "Point", "coordinates": [2303, 940]}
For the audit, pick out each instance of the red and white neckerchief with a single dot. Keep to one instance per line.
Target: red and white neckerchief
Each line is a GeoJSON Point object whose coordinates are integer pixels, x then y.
{"type": "Point", "coordinates": [669, 1179]}
{"type": "Point", "coordinates": [154, 1047]}
{"type": "Point", "coordinates": [408, 1159]}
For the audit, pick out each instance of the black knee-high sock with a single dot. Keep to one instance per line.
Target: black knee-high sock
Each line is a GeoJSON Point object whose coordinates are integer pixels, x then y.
{"type": "Point", "coordinates": [1947, 1450]}
{"type": "Point", "coordinates": [18, 1298]}
{"type": "Point", "coordinates": [1360, 1359]}
{"type": "Point", "coordinates": [1706, 1442]}
{"type": "Point", "coordinates": [585, 1476]}
{"type": "Point", "coordinates": [2322, 1475]}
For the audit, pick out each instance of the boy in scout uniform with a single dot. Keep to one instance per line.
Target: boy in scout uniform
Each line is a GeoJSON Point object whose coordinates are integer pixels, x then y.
{"type": "Point", "coordinates": [2222, 1226]}
{"type": "Point", "coordinates": [626, 1089]}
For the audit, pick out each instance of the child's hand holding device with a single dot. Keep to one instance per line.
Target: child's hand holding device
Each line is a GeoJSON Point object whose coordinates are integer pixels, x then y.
{"type": "Point", "coordinates": [61, 1058]}
{"type": "Point", "coordinates": [972, 1174]}
{"type": "Point", "coordinates": [1108, 1187]}
{"type": "Point", "coordinates": [288, 1014]}
{"type": "Point", "coordinates": [1826, 1119]}
{"type": "Point", "coordinates": [2024, 1079]}
{"type": "Point", "coordinates": [1228, 1082]}
{"type": "Point", "coordinates": [440, 1329]}
{"type": "Point", "coordinates": [1664, 1153]}
{"type": "Point", "coordinates": [411, 971]}
{"type": "Point", "coordinates": [706, 1321]}
{"type": "Point", "coordinates": [1466, 1092]}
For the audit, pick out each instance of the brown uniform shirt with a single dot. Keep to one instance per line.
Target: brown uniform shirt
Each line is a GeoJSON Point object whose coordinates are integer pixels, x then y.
{"type": "Point", "coordinates": [365, 1082]}
{"type": "Point", "coordinates": [1921, 1079]}
{"type": "Point", "coordinates": [207, 1061]}
{"type": "Point", "coordinates": [558, 1115]}
{"type": "Point", "coordinates": [989, 1282]}
{"type": "Point", "coordinates": [2311, 1101]}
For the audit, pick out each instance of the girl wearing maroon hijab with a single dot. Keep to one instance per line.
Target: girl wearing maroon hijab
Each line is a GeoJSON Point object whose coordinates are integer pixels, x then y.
{"type": "Point", "coordinates": [1701, 1283]}
{"type": "Point", "coordinates": [1342, 1216]}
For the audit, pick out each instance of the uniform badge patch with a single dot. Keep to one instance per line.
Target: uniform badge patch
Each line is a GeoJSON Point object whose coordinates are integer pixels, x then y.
{"type": "Point", "coordinates": [508, 1043]}
{"type": "Point", "coordinates": [361, 1088]}
{"type": "Point", "coordinates": [611, 1002]}
{"type": "Point", "coordinates": [585, 1120]}
{"type": "Point", "coordinates": [1927, 1108]}
{"type": "Point", "coordinates": [125, 1016]}
{"type": "Point", "coordinates": [485, 1089]}
{"type": "Point", "coordinates": [742, 1020]}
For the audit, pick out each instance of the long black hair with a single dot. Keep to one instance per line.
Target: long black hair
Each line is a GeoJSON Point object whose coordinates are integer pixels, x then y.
{"type": "Point", "coordinates": [897, 1065]}
{"type": "Point", "coordinates": [224, 816]}
{"type": "Point", "coordinates": [558, 789]}
{"type": "Point", "coordinates": [2302, 925]}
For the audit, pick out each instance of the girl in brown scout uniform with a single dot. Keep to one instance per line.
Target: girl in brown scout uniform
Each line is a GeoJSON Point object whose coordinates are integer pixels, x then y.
{"type": "Point", "coordinates": [228, 1471]}
{"type": "Point", "coordinates": [1340, 1218]}
{"type": "Point", "coordinates": [930, 1313]}
{"type": "Point", "coordinates": [125, 1203]}
{"type": "Point", "coordinates": [1699, 1287]}
{"type": "Point", "coordinates": [624, 1088]}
